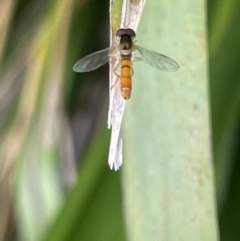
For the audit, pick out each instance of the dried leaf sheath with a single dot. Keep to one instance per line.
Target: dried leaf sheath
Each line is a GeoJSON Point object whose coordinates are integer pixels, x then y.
{"type": "Point", "coordinates": [130, 13]}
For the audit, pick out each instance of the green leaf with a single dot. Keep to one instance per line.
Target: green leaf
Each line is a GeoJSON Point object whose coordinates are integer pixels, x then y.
{"type": "Point", "coordinates": [92, 210]}
{"type": "Point", "coordinates": [168, 173]}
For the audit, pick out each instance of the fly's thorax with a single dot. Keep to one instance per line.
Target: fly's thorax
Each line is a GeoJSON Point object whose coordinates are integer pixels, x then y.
{"type": "Point", "coordinates": [125, 42]}
{"type": "Point", "coordinates": [125, 46]}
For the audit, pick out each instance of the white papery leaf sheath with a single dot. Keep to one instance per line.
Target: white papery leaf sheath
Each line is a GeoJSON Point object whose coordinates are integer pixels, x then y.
{"type": "Point", "coordinates": [131, 14]}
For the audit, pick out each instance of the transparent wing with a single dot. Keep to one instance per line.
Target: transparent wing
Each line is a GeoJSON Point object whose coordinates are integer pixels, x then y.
{"type": "Point", "coordinates": [157, 60]}
{"type": "Point", "coordinates": [92, 61]}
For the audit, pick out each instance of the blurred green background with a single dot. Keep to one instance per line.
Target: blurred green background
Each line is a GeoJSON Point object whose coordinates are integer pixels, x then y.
{"type": "Point", "coordinates": [55, 181]}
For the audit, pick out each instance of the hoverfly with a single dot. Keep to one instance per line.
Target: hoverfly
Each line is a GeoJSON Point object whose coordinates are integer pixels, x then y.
{"type": "Point", "coordinates": [124, 53]}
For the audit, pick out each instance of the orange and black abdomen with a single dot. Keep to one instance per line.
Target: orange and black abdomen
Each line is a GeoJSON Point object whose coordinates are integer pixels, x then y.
{"type": "Point", "coordinates": [126, 78]}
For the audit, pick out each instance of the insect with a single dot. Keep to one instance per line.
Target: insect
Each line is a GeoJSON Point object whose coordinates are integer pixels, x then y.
{"type": "Point", "coordinates": [125, 52]}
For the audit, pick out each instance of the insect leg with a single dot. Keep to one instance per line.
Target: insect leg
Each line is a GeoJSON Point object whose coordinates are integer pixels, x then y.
{"type": "Point", "coordinates": [115, 71]}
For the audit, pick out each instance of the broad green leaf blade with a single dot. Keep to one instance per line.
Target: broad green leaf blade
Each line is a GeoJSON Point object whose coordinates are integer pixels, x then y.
{"type": "Point", "coordinates": [168, 176]}
{"type": "Point", "coordinates": [224, 48]}
{"type": "Point", "coordinates": [225, 89]}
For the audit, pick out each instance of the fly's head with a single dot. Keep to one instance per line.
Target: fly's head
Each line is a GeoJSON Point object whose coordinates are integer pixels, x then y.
{"type": "Point", "coordinates": [125, 38]}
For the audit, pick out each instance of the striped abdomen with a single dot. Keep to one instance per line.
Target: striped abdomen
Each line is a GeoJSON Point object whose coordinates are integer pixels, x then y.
{"type": "Point", "coordinates": [126, 78]}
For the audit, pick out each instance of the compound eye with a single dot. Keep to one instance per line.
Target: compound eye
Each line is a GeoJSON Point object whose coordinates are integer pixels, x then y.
{"type": "Point", "coordinates": [130, 32]}
{"type": "Point", "coordinates": [121, 32]}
